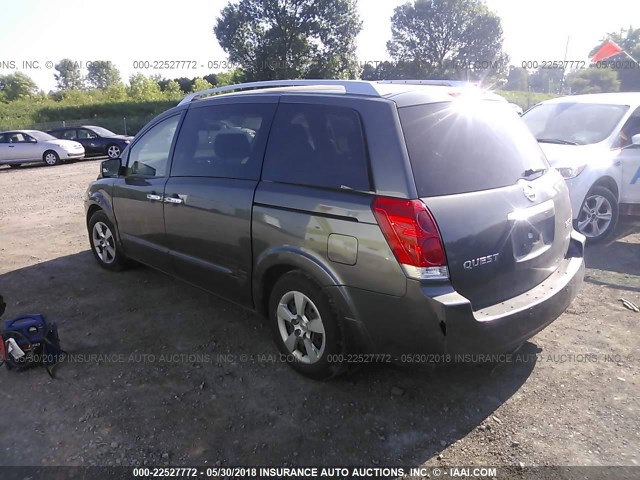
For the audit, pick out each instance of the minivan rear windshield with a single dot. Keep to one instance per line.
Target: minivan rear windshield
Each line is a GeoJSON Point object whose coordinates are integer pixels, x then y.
{"type": "Point", "coordinates": [468, 145]}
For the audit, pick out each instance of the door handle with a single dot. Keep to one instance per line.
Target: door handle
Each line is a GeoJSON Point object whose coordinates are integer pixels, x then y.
{"type": "Point", "coordinates": [11, 146]}
{"type": "Point", "coordinates": [153, 196]}
{"type": "Point", "coordinates": [175, 200]}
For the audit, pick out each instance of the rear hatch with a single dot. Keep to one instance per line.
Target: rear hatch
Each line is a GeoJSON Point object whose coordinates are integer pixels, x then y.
{"type": "Point", "coordinates": [503, 214]}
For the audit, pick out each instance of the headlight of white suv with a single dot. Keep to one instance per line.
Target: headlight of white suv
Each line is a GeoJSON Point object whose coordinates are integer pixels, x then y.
{"type": "Point", "coordinates": [570, 172]}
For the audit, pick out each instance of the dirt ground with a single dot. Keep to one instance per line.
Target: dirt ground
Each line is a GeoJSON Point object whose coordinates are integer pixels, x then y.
{"type": "Point", "coordinates": [165, 374]}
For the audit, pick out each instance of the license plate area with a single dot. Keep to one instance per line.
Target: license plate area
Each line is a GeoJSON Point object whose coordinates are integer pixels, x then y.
{"type": "Point", "coordinates": [532, 230]}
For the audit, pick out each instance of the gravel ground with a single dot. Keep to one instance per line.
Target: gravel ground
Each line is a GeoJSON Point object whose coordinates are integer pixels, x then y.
{"type": "Point", "coordinates": [165, 374]}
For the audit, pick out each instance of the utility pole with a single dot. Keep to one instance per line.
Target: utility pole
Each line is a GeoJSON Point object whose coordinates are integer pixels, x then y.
{"type": "Point", "coordinates": [564, 66]}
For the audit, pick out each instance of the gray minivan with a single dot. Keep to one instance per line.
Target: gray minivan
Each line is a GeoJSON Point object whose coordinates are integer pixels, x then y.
{"type": "Point", "coordinates": [383, 218]}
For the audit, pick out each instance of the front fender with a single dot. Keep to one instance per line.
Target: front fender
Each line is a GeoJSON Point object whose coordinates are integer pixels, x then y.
{"type": "Point", "coordinates": [100, 194]}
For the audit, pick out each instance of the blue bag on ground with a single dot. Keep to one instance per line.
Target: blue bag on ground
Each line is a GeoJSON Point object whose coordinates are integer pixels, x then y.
{"type": "Point", "coordinates": [29, 341]}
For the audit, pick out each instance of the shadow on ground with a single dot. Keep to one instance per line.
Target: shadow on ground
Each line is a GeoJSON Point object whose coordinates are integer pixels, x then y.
{"type": "Point", "coordinates": [618, 260]}
{"type": "Point", "coordinates": [162, 373]}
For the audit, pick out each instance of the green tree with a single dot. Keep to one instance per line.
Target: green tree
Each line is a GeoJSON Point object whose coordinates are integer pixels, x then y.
{"type": "Point", "coordinates": [547, 80]}
{"type": "Point", "coordinates": [628, 72]}
{"type": "Point", "coordinates": [517, 79]}
{"type": "Point", "coordinates": [69, 76]}
{"type": "Point", "coordinates": [212, 78]}
{"type": "Point", "coordinates": [102, 74]}
{"type": "Point", "coordinates": [116, 92]}
{"type": "Point", "coordinates": [185, 84]}
{"type": "Point", "coordinates": [230, 77]}
{"type": "Point", "coordinates": [17, 85]}
{"type": "Point", "coordinates": [143, 88]}
{"type": "Point", "coordinates": [277, 39]}
{"type": "Point", "coordinates": [594, 80]}
{"type": "Point", "coordinates": [445, 38]}
{"type": "Point", "coordinates": [392, 70]}
{"type": "Point", "coordinates": [172, 90]}
{"type": "Point", "coordinates": [200, 84]}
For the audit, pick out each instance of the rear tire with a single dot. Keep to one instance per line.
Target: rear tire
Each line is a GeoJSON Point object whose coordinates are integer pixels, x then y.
{"type": "Point", "coordinates": [309, 339]}
{"type": "Point", "coordinates": [598, 215]}
{"type": "Point", "coordinates": [105, 246]}
{"type": "Point", "coordinates": [51, 158]}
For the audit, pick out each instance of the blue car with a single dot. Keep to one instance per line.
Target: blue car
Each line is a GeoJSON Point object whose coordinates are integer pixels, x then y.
{"type": "Point", "coordinates": [97, 141]}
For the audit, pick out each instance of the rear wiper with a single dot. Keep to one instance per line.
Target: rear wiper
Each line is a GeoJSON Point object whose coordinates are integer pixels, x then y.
{"type": "Point", "coordinates": [556, 140]}
{"type": "Point", "coordinates": [533, 172]}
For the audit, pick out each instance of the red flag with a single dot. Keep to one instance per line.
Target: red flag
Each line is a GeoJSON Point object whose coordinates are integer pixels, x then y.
{"type": "Point", "coordinates": [608, 50]}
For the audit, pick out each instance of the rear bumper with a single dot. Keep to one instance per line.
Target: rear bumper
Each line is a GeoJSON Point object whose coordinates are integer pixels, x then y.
{"type": "Point", "coordinates": [437, 319]}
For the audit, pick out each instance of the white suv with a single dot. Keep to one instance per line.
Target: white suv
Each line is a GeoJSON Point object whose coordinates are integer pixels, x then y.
{"type": "Point", "coordinates": [594, 142]}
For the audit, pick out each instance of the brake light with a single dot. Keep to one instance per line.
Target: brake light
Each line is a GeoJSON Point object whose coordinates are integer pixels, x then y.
{"type": "Point", "coordinates": [413, 236]}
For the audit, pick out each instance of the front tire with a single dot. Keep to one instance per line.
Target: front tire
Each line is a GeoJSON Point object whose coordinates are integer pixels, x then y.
{"type": "Point", "coordinates": [105, 246]}
{"type": "Point", "coordinates": [113, 151]}
{"type": "Point", "coordinates": [304, 323]}
{"type": "Point", "coordinates": [51, 158]}
{"type": "Point", "coordinates": [598, 216]}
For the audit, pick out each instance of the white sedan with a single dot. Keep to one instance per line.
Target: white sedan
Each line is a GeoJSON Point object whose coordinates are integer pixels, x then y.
{"type": "Point", "coordinates": [30, 146]}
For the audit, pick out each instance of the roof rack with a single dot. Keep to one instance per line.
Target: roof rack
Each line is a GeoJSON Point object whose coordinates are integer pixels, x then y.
{"type": "Point", "coordinates": [354, 87]}
{"type": "Point", "coordinates": [441, 83]}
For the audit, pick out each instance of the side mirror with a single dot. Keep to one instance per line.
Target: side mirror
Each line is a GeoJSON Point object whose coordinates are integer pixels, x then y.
{"type": "Point", "coordinates": [111, 168]}
{"type": "Point", "coordinates": [635, 140]}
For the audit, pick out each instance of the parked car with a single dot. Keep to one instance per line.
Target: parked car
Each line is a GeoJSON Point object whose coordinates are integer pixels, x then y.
{"type": "Point", "coordinates": [356, 216]}
{"type": "Point", "coordinates": [30, 146]}
{"type": "Point", "coordinates": [97, 141]}
{"type": "Point", "coordinates": [594, 142]}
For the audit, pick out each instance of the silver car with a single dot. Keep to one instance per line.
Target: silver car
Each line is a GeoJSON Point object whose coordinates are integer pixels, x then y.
{"type": "Point", "coordinates": [31, 146]}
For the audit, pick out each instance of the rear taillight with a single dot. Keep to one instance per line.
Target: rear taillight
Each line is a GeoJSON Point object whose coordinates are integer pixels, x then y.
{"type": "Point", "coordinates": [413, 236]}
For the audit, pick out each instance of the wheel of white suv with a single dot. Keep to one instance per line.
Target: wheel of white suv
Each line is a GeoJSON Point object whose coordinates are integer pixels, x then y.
{"type": "Point", "coordinates": [113, 151]}
{"type": "Point", "coordinates": [305, 326]}
{"type": "Point", "coordinates": [51, 158]}
{"type": "Point", "coordinates": [598, 216]}
{"type": "Point", "coordinates": [104, 244]}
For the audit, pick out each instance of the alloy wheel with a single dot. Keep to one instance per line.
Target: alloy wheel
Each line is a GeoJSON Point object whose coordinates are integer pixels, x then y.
{"type": "Point", "coordinates": [104, 242]}
{"type": "Point", "coordinates": [113, 151]}
{"type": "Point", "coordinates": [595, 216]}
{"type": "Point", "coordinates": [301, 328]}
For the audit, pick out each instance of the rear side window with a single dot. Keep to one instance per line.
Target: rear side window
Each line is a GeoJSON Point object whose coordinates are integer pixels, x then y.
{"type": "Point", "coordinates": [317, 145]}
{"type": "Point", "coordinates": [467, 145]}
{"type": "Point", "coordinates": [223, 141]}
{"type": "Point", "coordinates": [70, 134]}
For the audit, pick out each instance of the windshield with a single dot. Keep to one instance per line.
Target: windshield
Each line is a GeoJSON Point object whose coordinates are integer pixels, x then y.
{"type": "Point", "coordinates": [458, 147]}
{"type": "Point", "coordinates": [41, 136]}
{"type": "Point", "coordinates": [103, 132]}
{"type": "Point", "coordinates": [573, 123]}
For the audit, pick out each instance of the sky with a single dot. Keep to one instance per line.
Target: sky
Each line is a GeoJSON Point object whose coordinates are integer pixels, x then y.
{"type": "Point", "coordinates": [129, 31]}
